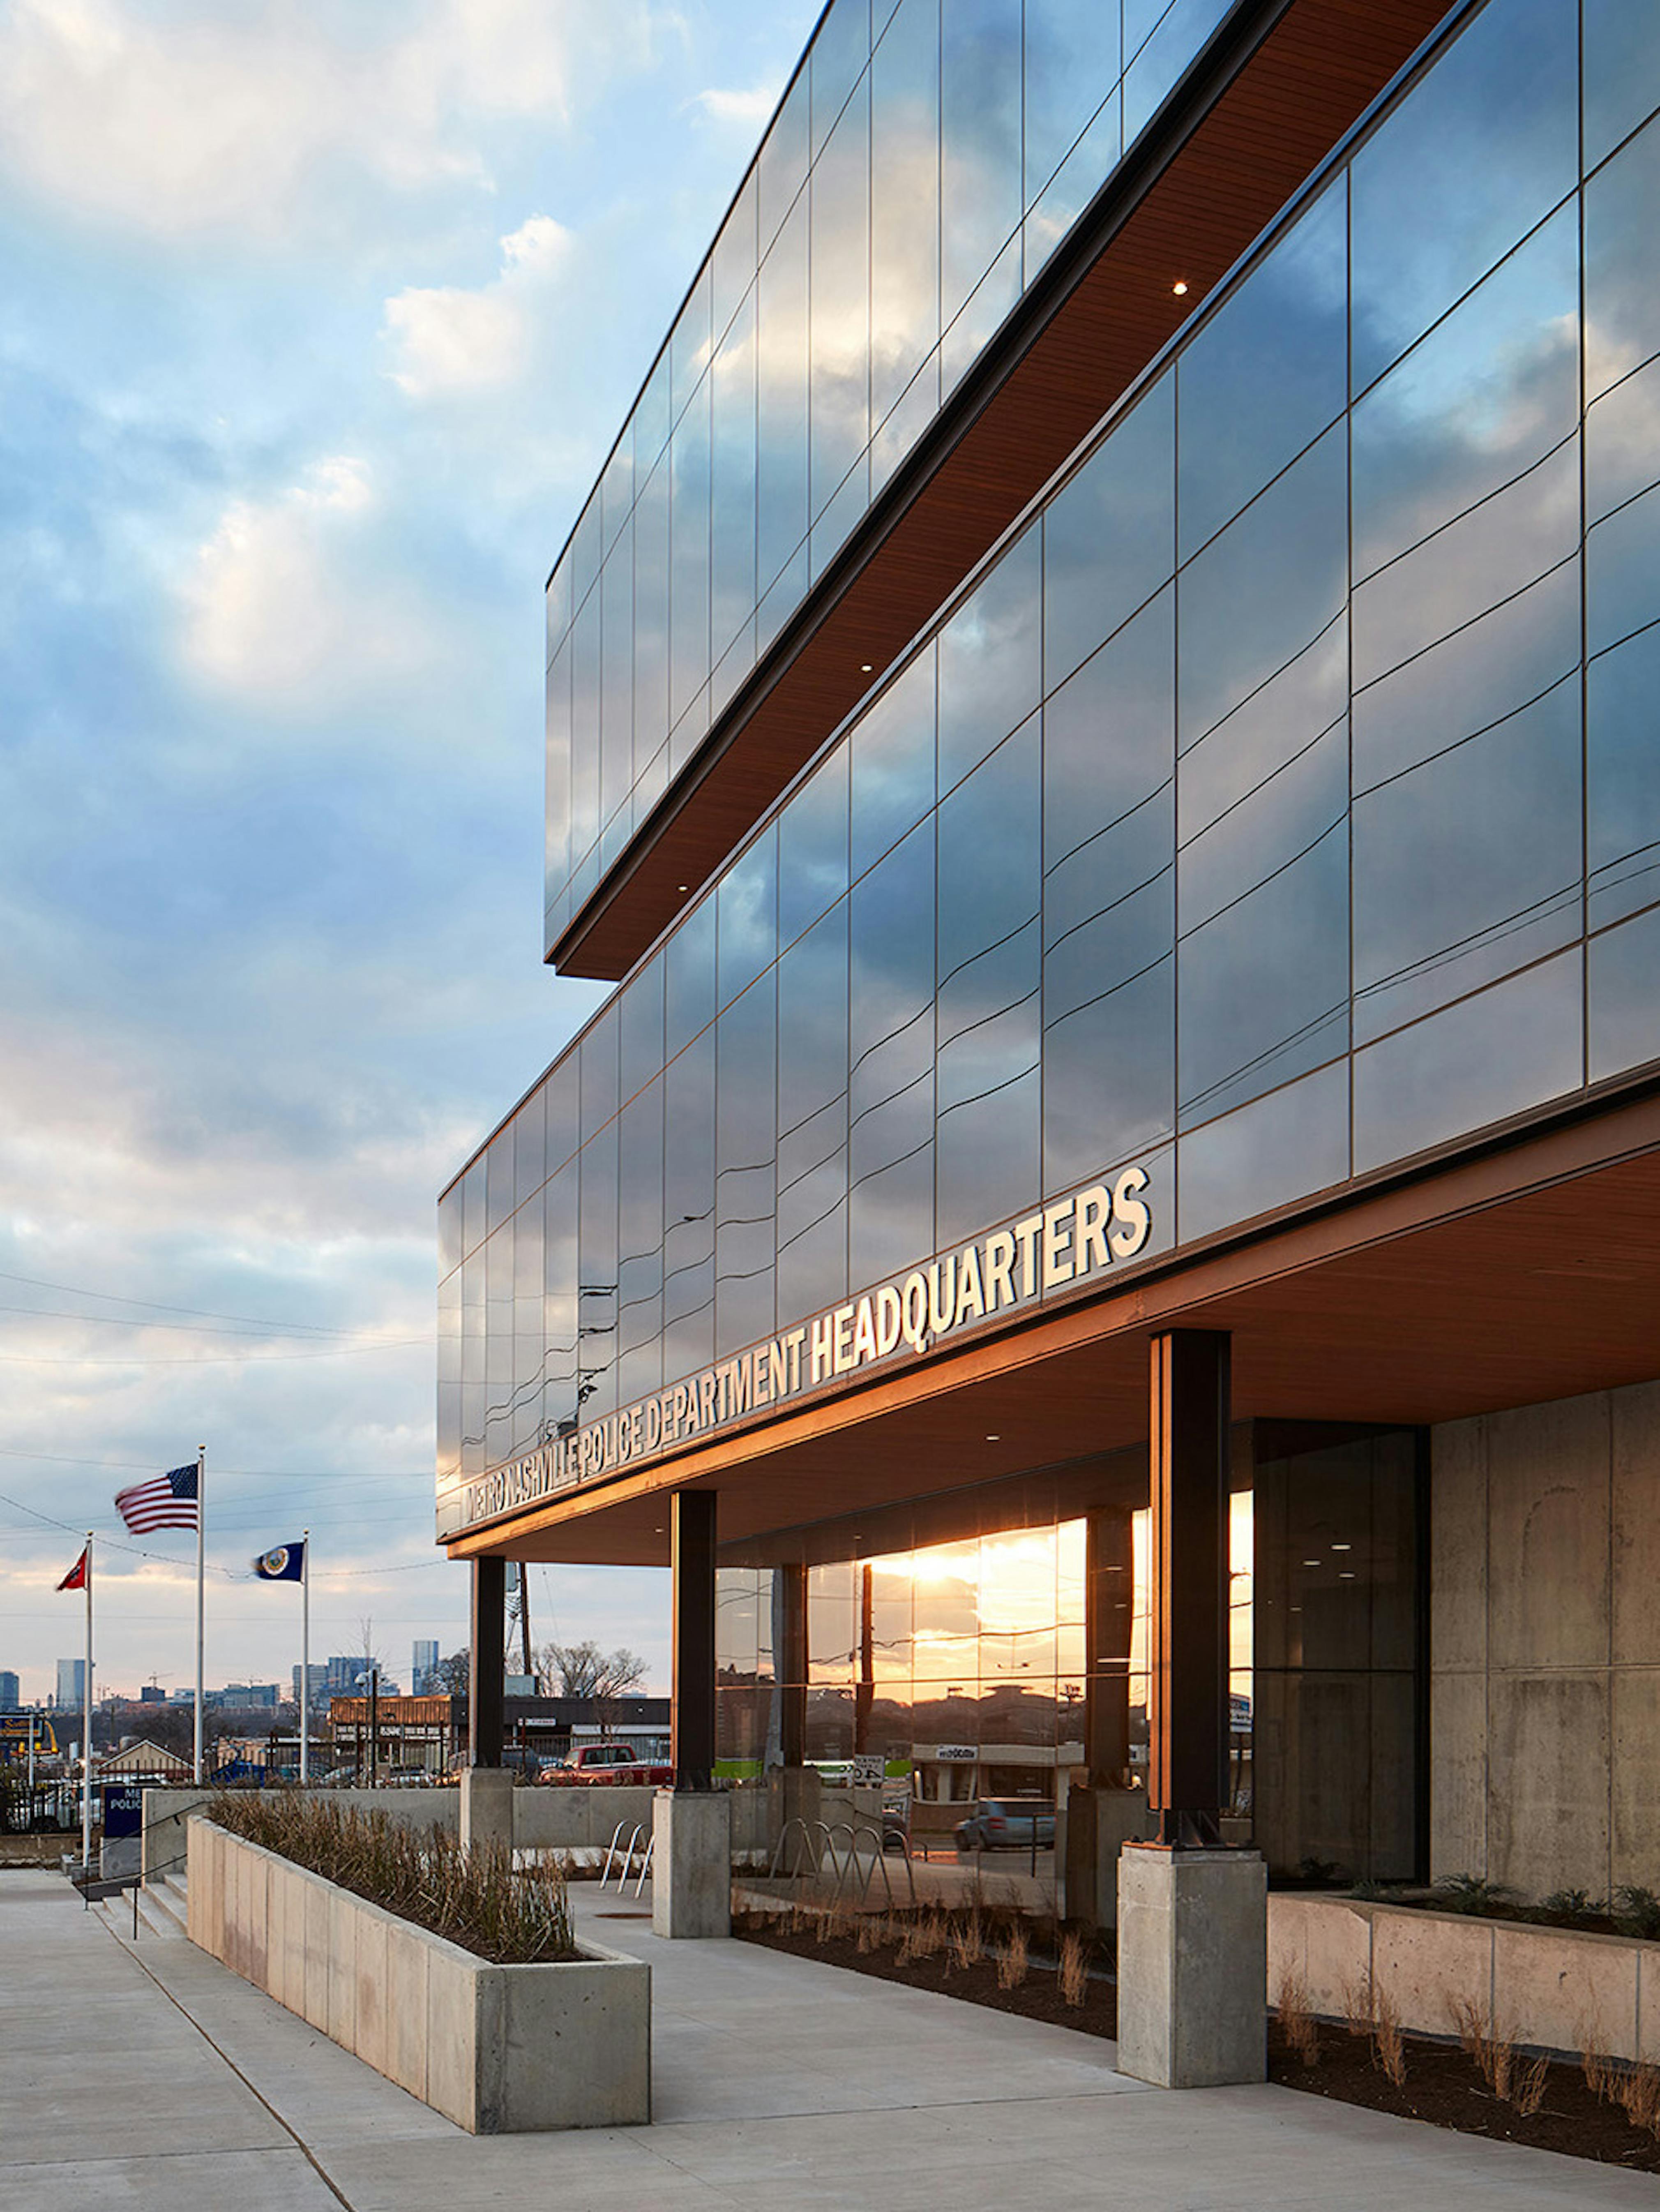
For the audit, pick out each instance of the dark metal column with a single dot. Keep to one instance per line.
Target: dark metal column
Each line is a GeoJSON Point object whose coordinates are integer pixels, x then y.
{"type": "Point", "coordinates": [789, 1659]}
{"type": "Point", "coordinates": [691, 1542]}
{"type": "Point", "coordinates": [1110, 1620]}
{"type": "Point", "coordinates": [487, 1658]}
{"type": "Point", "coordinates": [1187, 1690]}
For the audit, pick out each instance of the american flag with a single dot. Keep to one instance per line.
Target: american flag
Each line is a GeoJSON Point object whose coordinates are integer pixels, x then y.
{"type": "Point", "coordinates": [168, 1502]}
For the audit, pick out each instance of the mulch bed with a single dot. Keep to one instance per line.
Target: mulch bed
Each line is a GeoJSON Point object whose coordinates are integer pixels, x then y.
{"type": "Point", "coordinates": [1037, 1997]}
{"type": "Point", "coordinates": [1442, 2087]}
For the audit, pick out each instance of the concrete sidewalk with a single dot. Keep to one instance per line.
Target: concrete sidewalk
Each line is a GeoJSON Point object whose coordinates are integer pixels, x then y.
{"type": "Point", "coordinates": [148, 2076]}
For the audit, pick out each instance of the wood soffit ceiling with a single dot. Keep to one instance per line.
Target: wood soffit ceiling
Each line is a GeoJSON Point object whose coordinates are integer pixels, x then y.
{"type": "Point", "coordinates": [1529, 1274]}
{"type": "Point", "coordinates": [1185, 209]}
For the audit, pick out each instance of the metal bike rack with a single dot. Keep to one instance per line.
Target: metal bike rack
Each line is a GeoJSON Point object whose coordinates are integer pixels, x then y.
{"type": "Point", "coordinates": [624, 1853]}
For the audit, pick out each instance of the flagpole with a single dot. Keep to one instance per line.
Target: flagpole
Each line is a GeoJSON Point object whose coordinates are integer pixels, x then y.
{"type": "Point", "coordinates": [304, 1655]}
{"type": "Point", "coordinates": [86, 1762]}
{"type": "Point", "coordinates": [201, 1578]}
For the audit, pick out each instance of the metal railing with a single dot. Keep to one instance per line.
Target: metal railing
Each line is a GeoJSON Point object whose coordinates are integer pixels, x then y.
{"type": "Point", "coordinates": [623, 1853]}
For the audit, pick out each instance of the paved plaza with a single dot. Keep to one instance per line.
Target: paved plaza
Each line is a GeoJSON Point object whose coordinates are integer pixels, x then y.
{"type": "Point", "coordinates": [141, 2075]}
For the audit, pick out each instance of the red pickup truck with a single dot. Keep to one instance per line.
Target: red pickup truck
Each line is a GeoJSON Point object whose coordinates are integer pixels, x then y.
{"type": "Point", "coordinates": [618, 1762]}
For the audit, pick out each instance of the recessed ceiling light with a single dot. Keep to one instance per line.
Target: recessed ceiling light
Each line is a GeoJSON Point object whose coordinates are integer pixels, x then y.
{"type": "Point", "coordinates": [685, 887]}
{"type": "Point", "coordinates": [1343, 1548]}
{"type": "Point", "coordinates": [1347, 1576]}
{"type": "Point", "coordinates": [866, 667]}
{"type": "Point", "coordinates": [1180, 288]}
{"type": "Point", "coordinates": [992, 1437]}
{"type": "Point", "coordinates": [1310, 1563]}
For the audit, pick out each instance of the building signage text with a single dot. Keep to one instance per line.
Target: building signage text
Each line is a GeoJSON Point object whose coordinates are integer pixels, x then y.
{"type": "Point", "coordinates": [1075, 1238]}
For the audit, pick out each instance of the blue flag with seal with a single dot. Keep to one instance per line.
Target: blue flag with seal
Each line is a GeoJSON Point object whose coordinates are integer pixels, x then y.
{"type": "Point", "coordinates": [286, 1564]}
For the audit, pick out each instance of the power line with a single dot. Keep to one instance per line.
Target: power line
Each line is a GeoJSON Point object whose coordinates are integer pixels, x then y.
{"type": "Point", "coordinates": [223, 1359]}
{"type": "Point", "coordinates": [155, 1305]}
{"type": "Point", "coordinates": [260, 1473]}
{"type": "Point", "coordinates": [190, 1328]}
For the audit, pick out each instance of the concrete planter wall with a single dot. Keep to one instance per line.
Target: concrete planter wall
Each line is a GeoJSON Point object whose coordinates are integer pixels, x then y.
{"type": "Point", "coordinates": [560, 1820]}
{"type": "Point", "coordinates": [498, 2049]}
{"type": "Point", "coordinates": [1551, 1987]}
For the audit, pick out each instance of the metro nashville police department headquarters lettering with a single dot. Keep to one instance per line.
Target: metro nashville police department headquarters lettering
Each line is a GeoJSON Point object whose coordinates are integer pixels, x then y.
{"type": "Point", "coordinates": [1075, 1238]}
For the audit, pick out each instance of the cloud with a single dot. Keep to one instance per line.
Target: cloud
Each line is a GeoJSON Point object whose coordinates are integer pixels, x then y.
{"type": "Point", "coordinates": [282, 605]}
{"type": "Point", "coordinates": [451, 340]}
{"type": "Point", "coordinates": [747, 113]}
{"type": "Point", "coordinates": [254, 121]}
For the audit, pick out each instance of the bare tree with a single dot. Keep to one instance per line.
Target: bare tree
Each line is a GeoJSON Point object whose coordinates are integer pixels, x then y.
{"type": "Point", "coordinates": [365, 1641]}
{"type": "Point", "coordinates": [451, 1675]}
{"type": "Point", "coordinates": [583, 1670]}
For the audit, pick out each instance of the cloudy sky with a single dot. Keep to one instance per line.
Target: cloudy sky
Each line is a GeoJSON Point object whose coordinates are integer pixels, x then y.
{"type": "Point", "coordinates": [320, 318]}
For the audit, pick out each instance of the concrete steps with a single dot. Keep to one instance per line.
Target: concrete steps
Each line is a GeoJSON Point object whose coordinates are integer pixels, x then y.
{"type": "Point", "coordinates": [162, 1910]}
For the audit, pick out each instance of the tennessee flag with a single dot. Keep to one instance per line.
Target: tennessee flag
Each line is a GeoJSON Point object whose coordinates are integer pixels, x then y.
{"type": "Point", "coordinates": [284, 1563]}
{"type": "Point", "coordinates": [77, 1577]}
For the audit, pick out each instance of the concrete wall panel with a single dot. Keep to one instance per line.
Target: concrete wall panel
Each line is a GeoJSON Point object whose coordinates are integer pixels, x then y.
{"type": "Point", "coordinates": [1568, 1991]}
{"type": "Point", "coordinates": [1548, 1764]}
{"type": "Point", "coordinates": [1458, 1775]}
{"type": "Point", "coordinates": [316, 2006]}
{"type": "Point", "coordinates": [342, 2025]}
{"type": "Point", "coordinates": [406, 2002]}
{"type": "Point", "coordinates": [1547, 1555]}
{"type": "Point", "coordinates": [1634, 1854]}
{"type": "Point", "coordinates": [1635, 1450]}
{"type": "Point", "coordinates": [1458, 1545]}
{"type": "Point", "coordinates": [372, 2028]}
{"type": "Point", "coordinates": [1424, 1962]}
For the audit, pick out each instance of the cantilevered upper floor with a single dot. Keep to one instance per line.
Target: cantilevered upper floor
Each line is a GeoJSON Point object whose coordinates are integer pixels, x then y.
{"type": "Point", "coordinates": [969, 226]}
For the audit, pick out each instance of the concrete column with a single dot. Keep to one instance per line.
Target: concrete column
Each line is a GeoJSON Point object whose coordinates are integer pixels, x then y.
{"type": "Point", "coordinates": [486, 1806]}
{"type": "Point", "coordinates": [692, 1862]}
{"type": "Point", "coordinates": [486, 1662]}
{"type": "Point", "coordinates": [1192, 1966]}
{"type": "Point", "coordinates": [1098, 1822]}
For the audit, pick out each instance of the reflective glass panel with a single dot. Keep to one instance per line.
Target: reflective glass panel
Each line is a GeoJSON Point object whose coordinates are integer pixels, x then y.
{"type": "Point", "coordinates": [840, 329]}
{"type": "Point", "coordinates": [1109, 537]}
{"type": "Point", "coordinates": [1268, 372]}
{"type": "Point", "coordinates": [1622, 72]}
{"type": "Point", "coordinates": [1477, 152]}
{"type": "Point", "coordinates": [1623, 988]}
{"type": "Point", "coordinates": [980, 141]}
{"type": "Point", "coordinates": [813, 847]}
{"type": "Point", "coordinates": [1469, 867]}
{"type": "Point", "coordinates": [904, 132]}
{"type": "Point", "coordinates": [1264, 589]}
{"type": "Point", "coordinates": [1474, 1062]}
{"type": "Point", "coordinates": [1264, 986]}
{"type": "Point", "coordinates": [1622, 315]}
{"type": "Point", "coordinates": [990, 666]}
{"type": "Point", "coordinates": [893, 762]}
{"type": "Point", "coordinates": [1622, 779]}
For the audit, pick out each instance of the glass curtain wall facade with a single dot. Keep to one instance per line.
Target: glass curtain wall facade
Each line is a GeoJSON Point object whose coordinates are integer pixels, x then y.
{"type": "Point", "coordinates": [924, 164]}
{"type": "Point", "coordinates": [1013, 1661]}
{"type": "Point", "coordinates": [1282, 802]}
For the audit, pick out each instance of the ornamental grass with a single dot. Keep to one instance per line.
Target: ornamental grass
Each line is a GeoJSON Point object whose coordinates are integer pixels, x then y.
{"type": "Point", "coordinates": [475, 1899]}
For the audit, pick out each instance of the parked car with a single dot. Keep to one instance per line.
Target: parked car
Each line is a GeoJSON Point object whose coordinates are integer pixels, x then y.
{"type": "Point", "coordinates": [619, 1763]}
{"type": "Point", "coordinates": [1007, 1824]}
